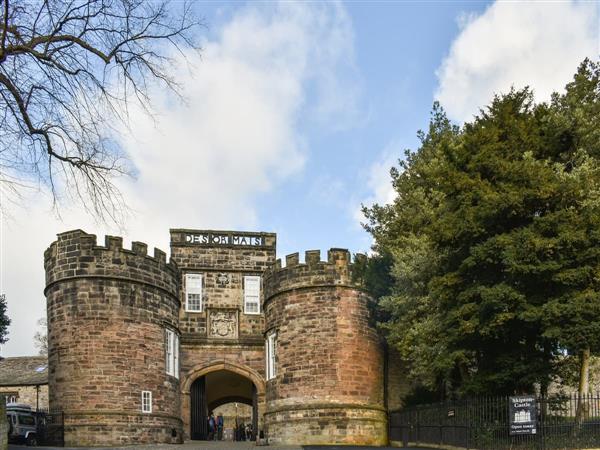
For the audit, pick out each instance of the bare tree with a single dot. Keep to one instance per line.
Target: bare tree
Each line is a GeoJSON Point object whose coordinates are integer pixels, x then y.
{"type": "Point", "coordinates": [68, 70]}
{"type": "Point", "coordinates": [40, 338]}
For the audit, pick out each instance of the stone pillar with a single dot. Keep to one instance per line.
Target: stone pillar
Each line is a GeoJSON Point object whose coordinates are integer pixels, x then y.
{"type": "Point", "coordinates": [108, 312]}
{"type": "Point", "coordinates": [328, 387]}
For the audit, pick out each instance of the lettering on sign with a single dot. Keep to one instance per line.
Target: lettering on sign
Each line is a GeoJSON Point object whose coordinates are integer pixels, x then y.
{"type": "Point", "coordinates": [224, 239]}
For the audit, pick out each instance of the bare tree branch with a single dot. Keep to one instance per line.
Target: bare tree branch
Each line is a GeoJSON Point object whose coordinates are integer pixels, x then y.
{"type": "Point", "coordinates": [68, 70]}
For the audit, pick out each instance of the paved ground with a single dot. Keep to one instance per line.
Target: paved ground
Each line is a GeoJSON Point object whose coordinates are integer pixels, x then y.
{"type": "Point", "coordinates": [190, 445]}
{"type": "Point", "coordinates": [222, 445]}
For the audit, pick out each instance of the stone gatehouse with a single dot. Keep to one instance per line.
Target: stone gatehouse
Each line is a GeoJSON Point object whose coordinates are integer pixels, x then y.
{"type": "Point", "coordinates": [141, 349]}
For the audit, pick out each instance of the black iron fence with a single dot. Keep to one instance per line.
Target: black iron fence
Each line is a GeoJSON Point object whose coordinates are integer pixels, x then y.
{"type": "Point", "coordinates": [50, 428]}
{"type": "Point", "coordinates": [492, 423]}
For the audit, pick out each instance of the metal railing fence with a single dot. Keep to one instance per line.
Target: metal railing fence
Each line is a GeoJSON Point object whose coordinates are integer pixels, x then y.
{"type": "Point", "coordinates": [50, 428]}
{"type": "Point", "coordinates": [562, 422]}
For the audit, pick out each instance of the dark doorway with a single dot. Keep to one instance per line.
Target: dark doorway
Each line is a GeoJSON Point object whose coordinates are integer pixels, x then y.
{"type": "Point", "coordinates": [199, 425]}
{"type": "Point", "coordinates": [212, 393]}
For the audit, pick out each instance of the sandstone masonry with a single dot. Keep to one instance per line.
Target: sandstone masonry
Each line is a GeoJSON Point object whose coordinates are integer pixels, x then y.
{"type": "Point", "coordinates": [141, 350]}
{"type": "Point", "coordinates": [108, 308]}
{"type": "Point", "coordinates": [329, 381]}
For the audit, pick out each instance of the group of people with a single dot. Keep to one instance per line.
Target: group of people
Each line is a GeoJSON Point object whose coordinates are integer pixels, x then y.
{"type": "Point", "coordinates": [241, 432]}
{"type": "Point", "coordinates": [215, 427]}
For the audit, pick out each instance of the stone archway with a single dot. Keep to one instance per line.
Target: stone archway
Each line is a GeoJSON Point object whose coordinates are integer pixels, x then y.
{"type": "Point", "coordinates": [200, 370]}
{"type": "Point", "coordinates": [223, 372]}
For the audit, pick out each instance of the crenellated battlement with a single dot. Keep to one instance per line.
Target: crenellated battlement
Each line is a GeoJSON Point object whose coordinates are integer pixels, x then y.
{"type": "Point", "coordinates": [75, 254]}
{"type": "Point", "coordinates": [336, 271]}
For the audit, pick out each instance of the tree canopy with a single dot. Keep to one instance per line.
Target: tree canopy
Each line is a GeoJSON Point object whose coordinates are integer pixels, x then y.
{"type": "Point", "coordinates": [495, 240]}
{"type": "Point", "coordinates": [4, 320]}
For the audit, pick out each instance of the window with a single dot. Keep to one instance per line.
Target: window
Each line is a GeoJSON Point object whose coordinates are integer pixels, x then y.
{"type": "Point", "coordinates": [12, 397]}
{"type": "Point", "coordinates": [193, 292]}
{"type": "Point", "coordinates": [146, 401]}
{"type": "Point", "coordinates": [26, 420]}
{"type": "Point", "coordinates": [252, 295]}
{"type": "Point", "coordinates": [172, 353]}
{"type": "Point", "coordinates": [271, 350]}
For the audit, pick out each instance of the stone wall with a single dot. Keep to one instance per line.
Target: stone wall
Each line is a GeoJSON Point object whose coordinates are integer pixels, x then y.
{"type": "Point", "coordinates": [328, 387]}
{"type": "Point", "coordinates": [223, 268]}
{"type": "Point", "coordinates": [108, 309]}
{"type": "Point", "coordinates": [28, 394]}
{"type": "Point", "coordinates": [243, 414]}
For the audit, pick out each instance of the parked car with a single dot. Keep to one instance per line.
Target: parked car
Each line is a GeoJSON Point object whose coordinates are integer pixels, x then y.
{"type": "Point", "coordinates": [22, 424]}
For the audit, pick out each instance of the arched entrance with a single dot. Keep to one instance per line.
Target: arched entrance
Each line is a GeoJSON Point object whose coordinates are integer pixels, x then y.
{"type": "Point", "coordinates": [221, 383]}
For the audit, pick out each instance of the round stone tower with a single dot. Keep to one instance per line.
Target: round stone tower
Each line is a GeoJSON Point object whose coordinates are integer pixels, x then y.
{"type": "Point", "coordinates": [326, 384]}
{"type": "Point", "coordinates": [110, 314]}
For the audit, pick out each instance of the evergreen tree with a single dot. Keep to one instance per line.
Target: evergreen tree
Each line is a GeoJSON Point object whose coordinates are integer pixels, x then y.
{"type": "Point", "coordinates": [495, 242]}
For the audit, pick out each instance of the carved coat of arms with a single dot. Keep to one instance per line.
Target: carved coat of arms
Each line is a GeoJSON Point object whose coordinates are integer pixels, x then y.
{"type": "Point", "coordinates": [223, 280]}
{"type": "Point", "coordinates": [223, 324]}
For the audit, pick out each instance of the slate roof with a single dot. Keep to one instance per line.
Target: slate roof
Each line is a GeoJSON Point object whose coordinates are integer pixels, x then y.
{"type": "Point", "coordinates": [24, 371]}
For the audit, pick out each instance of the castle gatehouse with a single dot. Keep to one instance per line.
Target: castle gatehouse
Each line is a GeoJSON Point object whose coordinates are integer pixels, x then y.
{"type": "Point", "coordinates": [142, 350]}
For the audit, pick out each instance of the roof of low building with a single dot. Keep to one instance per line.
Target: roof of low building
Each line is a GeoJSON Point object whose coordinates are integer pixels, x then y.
{"type": "Point", "coordinates": [24, 371]}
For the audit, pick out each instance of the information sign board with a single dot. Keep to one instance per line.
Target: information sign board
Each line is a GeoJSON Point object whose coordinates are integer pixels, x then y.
{"type": "Point", "coordinates": [522, 412]}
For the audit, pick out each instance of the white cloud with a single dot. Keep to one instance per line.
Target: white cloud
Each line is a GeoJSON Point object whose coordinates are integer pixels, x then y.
{"type": "Point", "coordinates": [536, 44]}
{"type": "Point", "coordinates": [202, 164]}
{"type": "Point", "coordinates": [379, 180]}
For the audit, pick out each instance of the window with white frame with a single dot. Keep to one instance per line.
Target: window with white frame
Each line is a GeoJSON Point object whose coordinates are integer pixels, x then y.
{"type": "Point", "coordinates": [193, 292]}
{"type": "Point", "coordinates": [146, 401]}
{"type": "Point", "coordinates": [271, 352]}
{"type": "Point", "coordinates": [172, 353]}
{"type": "Point", "coordinates": [252, 295]}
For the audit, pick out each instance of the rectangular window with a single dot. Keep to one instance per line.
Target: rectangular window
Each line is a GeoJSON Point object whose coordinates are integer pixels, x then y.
{"type": "Point", "coordinates": [26, 420]}
{"type": "Point", "coordinates": [193, 292]}
{"type": "Point", "coordinates": [172, 353]}
{"type": "Point", "coordinates": [252, 295]}
{"type": "Point", "coordinates": [271, 350]}
{"type": "Point", "coordinates": [169, 352]}
{"type": "Point", "coordinates": [176, 355]}
{"type": "Point", "coordinates": [146, 401]}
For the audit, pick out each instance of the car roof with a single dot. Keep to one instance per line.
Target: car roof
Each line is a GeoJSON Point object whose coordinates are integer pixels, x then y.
{"type": "Point", "coordinates": [21, 409]}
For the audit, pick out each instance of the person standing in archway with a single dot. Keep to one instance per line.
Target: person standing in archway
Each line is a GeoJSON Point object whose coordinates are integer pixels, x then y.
{"type": "Point", "coordinates": [211, 427]}
{"type": "Point", "coordinates": [220, 427]}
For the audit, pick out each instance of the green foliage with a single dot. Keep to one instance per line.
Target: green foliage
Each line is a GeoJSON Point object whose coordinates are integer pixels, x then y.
{"type": "Point", "coordinates": [374, 275]}
{"type": "Point", "coordinates": [495, 241]}
{"type": "Point", "coordinates": [4, 320]}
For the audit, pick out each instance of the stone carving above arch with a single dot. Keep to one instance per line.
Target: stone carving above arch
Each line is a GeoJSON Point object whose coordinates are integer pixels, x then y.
{"type": "Point", "coordinates": [223, 323]}
{"type": "Point", "coordinates": [200, 370]}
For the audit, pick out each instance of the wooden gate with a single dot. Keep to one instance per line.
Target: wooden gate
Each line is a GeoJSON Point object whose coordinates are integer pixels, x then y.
{"type": "Point", "coordinates": [254, 412]}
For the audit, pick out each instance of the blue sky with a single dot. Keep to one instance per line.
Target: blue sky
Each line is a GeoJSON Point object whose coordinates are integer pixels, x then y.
{"type": "Point", "coordinates": [295, 112]}
{"type": "Point", "coordinates": [398, 47]}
